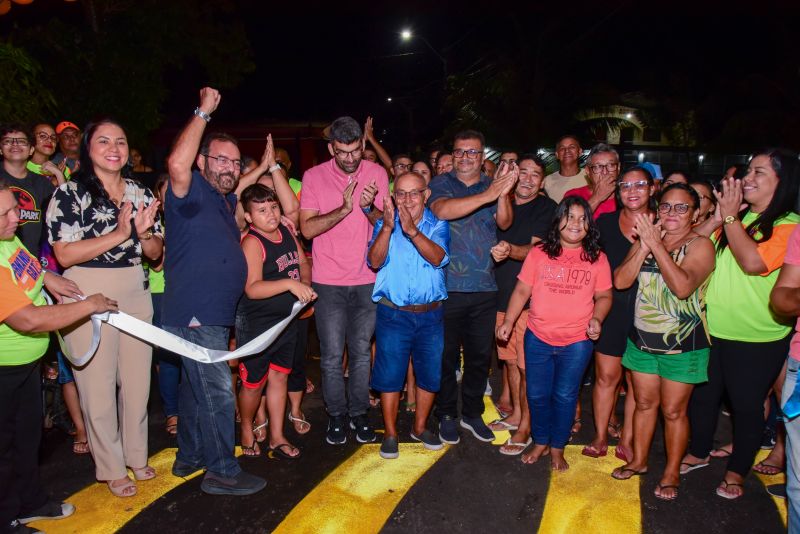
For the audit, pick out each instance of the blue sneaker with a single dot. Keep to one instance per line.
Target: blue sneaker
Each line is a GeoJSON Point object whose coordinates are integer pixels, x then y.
{"type": "Point", "coordinates": [478, 428]}
{"type": "Point", "coordinates": [448, 430]}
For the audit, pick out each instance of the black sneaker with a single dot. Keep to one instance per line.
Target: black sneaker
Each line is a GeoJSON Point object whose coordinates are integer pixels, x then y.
{"type": "Point", "coordinates": [183, 470]}
{"type": "Point", "coordinates": [364, 432]}
{"type": "Point", "coordinates": [478, 428]}
{"type": "Point", "coordinates": [242, 484]}
{"type": "Point", "coordinates": [430, 440]}
{"type": "Point", "coordinates": [15, 527]}
{"type": "Point", "coordinates": [448, 430]}
{"type": "Point", "coordinates": [336, 433]}
{"type": "Point", "coordinates": [389, 449]}
{"type": "Point", "coordinates": [777, 490]}
{"type": "Point", "coordinates": [49, 510]}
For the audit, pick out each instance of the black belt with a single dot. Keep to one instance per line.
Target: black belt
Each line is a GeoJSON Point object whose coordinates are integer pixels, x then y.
{"type": "Point", "coordinates": [413, 308]}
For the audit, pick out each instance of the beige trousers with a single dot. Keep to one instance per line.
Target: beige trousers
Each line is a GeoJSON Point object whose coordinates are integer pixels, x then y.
{"type": "Point", "coordinates": [114, 386]}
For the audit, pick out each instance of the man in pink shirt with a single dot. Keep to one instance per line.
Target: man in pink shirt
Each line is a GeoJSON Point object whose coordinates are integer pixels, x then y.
{"type": "Point", "coordinates": [340, 275]}
{"type": "Point", "coordinates": [602, 167]}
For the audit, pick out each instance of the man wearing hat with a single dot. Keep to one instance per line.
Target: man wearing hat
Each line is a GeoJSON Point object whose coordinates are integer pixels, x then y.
{"type": "Point", "coordinates": [69, 141]}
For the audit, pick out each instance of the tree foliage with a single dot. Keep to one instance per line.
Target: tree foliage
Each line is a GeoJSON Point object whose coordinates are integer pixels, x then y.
{"type": "Point", "coordinates": [23, 95]}
{"type": "Point", "coordinates": [115, 62]}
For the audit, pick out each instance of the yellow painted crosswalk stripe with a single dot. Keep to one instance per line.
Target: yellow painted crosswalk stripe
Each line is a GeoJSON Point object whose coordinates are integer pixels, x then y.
{"type": "Point", "coordinates": [767, 480]}
{"type": "Point", "coordinates": [97, 511]}
{"type": "Point", "coordinates": [360, 495]}
{"type": "Point", "coordinates": [585, 496]}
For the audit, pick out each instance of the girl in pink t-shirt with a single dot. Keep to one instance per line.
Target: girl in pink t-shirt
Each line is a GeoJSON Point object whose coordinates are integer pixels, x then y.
{"type": "Point", "coordinates": [568, 281]}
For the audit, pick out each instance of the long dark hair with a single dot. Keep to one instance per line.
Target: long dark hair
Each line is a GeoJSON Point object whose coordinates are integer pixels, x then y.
{"type": "Point", "coordinates": [86, 176]}
{"type": "Point", "coordinates": [785, 164]}
{"type": "Point", "coordinates": [551, 244]}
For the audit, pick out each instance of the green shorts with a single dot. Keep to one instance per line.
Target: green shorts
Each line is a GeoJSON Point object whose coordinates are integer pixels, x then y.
{"type": "Point", "coordinates": [686, 367]}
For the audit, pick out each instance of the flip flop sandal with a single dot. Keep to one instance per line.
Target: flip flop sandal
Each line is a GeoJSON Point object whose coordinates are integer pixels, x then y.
{"type": "Point", "coordinates": [615, 430]}
{"type": "Point", "coordinates": [502, 425]}
{"type": "Point", "coordinates": [411, 407]}
{"type": "Point", "coordinates": [260, 432]}
{"type": "Point", "coordinates": [520, 447]}
{"type": "Point", "coordinates": [172, 428]}
{"type": "Point", "coordinates": [578, 422]}
{"type": "Point", "coordinates": [660, 487]}
{"type": "Point", "coordinates": [722, 452]}
{"type": "Point", "coordinates": [123, 489]}
{"type": "Point", "coordinates": [722, 490]}
{"type": "Point", "coordinates": [251, 451]}
{"type": "Point", "coordinates": [503, 411]}
{"type": "Point", "coordinates": [143, 473]}
{"type": "Point", "coordinates": [619, 452]}
{"type": "Point", "coordinates": [618, 474]}
{"type": "Point", "coordinates": [771, 470]}
{"type": "Point", "coordinates": [301, 422]}
{"type": "Point", "coordinates": [309, 387]}
{"type": "Point", "coordinates": [278, 450]}
{"type": "Point", "coordinates": [593, 452]}
{"type": "Point", "coordinates": [80, 447]}
{"type": "Point", "coordinates": [692, 467]}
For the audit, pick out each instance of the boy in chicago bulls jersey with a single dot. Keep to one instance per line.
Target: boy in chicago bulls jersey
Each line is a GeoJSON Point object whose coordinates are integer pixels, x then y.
{"type": "Point", "coordinates": [277, 275]}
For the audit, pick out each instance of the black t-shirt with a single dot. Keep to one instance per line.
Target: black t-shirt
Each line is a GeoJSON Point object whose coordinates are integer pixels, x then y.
{"type": "Point", "coordinates": [530, 219]}
{"type": "Point", "coordinates": [616, 247]}
{"type": "Point", "coordinates": [33, 194]}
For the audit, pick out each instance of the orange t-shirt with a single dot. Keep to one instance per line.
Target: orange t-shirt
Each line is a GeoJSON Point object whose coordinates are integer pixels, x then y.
{"type": "Point", "coordinates": [562, 293]}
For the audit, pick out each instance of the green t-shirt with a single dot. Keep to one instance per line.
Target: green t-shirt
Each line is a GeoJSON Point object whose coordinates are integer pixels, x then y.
{"type": "Point", "coordinates": [737, 302]}
{"type": "Point", "coordinates": [21, 280]}
{"type": "Point", "coordinates": [37, 169]}
{"type": "Point", "coordinates": [296, 186]}
{"type": "Point", "coordinates": [156, 279]}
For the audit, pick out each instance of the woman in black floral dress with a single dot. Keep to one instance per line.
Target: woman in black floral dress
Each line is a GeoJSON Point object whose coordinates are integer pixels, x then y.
{"type": "Point", "coordinates": [100, 224]}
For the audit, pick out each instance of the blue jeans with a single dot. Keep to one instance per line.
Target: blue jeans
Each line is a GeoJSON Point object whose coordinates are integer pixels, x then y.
{"type": "Point", "coordinates": [553, 377]}
{"type": "Point", "coordinates": [345, 314]}
{"type": "Point", "coordinates": [399, 333]}
{"type": "Point", "coordinates": [792, 449]}
{"type": "Point", "coordinates": [169, 367]}
{"type": "Point", "coordinates": [206, 435]}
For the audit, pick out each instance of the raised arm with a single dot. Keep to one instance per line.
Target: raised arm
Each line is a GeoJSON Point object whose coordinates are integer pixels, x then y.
{"type": "Point", "coordinates": [743, 247]}
{"type": "Point", "coordinates": [179, 163]}
{"type": "Point", "coordinates": [369, 135]}
{"type": "Point", "coordinates": [313, 223]}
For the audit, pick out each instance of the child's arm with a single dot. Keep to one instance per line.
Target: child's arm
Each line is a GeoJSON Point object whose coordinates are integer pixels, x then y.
{"type": "Point", "coordinates": [305, 265]}
{"type": "Point", "coordinates": [257, 288]}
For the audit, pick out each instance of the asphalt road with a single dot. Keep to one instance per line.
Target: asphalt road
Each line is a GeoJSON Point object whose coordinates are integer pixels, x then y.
{"type": "Point", "coordinates": [470, 488]}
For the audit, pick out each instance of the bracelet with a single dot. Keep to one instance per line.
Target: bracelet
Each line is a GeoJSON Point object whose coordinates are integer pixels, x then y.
{"type": "Point", "coordinates": [367, 210]}
{"type": "Point", "coordinates": [274, 168]}
{"type": "Point", "coordinates": [147, 235]}
{"type": "Point", "coordinates": [202, 114]}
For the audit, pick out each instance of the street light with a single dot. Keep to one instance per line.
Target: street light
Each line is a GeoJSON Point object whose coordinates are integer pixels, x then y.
{"type": "Point", "coordinates": [407, 35]}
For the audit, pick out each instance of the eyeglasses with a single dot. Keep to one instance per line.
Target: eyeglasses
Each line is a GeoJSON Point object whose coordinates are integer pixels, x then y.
{"type": "Point", "coordinates": [471, 153]}
{"type": "Point", "coordinates": [608, 167]}
{"type": "Point", "coordinates": [222, 161]}
{"type": "Point", "coordinates": [356, 153]}
{"type": "Point", "coordinates": [624, 186]}
{"type": "Point", "coordinates": [41, 136]}
{"type": "Point", "coordinates": [21, 141]}
{"type": "Point", "coordinates": [680, 209]}
{"type": "Point", "coordinates": [414, 194]}
{"type": "Point", "coordinates": [403, 166]}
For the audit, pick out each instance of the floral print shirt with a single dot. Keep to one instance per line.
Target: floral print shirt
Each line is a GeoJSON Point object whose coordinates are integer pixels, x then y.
{"type": "Point", "coordinates": [71, 217]}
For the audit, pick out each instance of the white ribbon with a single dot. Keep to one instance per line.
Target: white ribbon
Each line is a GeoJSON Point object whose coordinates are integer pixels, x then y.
{"type": "Point", "coordinates": [161, 338]}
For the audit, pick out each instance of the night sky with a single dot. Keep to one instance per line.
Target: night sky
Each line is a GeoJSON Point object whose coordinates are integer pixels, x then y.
{"type": "Point", "coordinates": [318, 61]}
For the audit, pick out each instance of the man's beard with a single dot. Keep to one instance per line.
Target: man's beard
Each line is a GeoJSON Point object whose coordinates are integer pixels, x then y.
{"type": "Point", "coordinates": [347, 170]}
{"type": "Point", "coordinates": [224, 182]}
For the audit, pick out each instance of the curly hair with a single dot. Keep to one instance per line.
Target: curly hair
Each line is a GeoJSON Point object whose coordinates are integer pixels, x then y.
{"type": "Point", "coordinates": [551, 244]}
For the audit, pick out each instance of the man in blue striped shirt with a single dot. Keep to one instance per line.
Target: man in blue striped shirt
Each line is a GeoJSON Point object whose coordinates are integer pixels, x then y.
{"type": "Point", "coordinates": [410, 248]}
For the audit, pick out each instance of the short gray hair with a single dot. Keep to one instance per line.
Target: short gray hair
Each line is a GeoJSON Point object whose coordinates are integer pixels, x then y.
{"type": "Point", "coordinates": [345, 130]}
{"type": "Point", "coordinates": [602, 148]}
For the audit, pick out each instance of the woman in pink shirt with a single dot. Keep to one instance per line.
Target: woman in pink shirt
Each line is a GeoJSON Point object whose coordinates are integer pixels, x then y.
{"type": "Point", "coordinates": [568, 281]}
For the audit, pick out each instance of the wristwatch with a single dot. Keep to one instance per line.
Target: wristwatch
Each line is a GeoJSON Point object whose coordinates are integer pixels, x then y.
{"type": "Point", "coordinates": [147, 235]}
{"type": "Point", "coordinates": [274, 168]}
{"type": "Point", "coordinates": [202, 114]}
{"type": "Point", "coordinates": [730, 219]}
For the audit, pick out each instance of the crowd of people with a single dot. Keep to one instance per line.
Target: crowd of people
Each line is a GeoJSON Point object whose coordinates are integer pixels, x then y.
{"type": "Point", "coordinates": [676, 293]}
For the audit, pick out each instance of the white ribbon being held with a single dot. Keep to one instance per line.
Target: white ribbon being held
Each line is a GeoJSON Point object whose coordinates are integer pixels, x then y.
{"type": "Point", "coordinates": [156, 336]}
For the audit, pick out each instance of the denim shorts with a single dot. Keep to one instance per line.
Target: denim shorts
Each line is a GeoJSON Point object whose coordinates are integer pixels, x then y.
{"type": "Point", "coordinates": [402, 334]}
{"type": "Point", "coordinates": [65, 375]}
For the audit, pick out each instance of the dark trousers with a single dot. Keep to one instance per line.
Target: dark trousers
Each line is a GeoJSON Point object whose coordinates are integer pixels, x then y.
{"type": "Point", "coordinates": [21, 489]}
{"type": "Point", "coordinates": [469, 320]}
{"type": "Point", "coordinates": [297, 378]}
{"type": "Point", "coordinates": [746, 371]}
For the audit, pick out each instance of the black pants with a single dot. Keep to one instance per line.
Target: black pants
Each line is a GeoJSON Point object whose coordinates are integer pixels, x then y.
{"type": "Point", "coordinates": [746, 371]}
{"type": "Point", "coordinates": [21, 490]}
{"type": "Point", "coordinates": [469, 320]}
{"type": "Point", "coordinates": [297, 378]}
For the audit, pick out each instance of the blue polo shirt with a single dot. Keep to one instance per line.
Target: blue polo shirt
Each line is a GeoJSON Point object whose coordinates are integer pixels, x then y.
{"type": "Point", "coordinates": [406, 277]}
{"type": "Point", "coordinates": [471, 268]}
{"type": "Point", "coordinates": [204, 266]}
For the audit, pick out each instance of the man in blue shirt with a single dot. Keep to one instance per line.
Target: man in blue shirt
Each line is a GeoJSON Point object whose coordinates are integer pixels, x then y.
{"type": "Point", "coordinates": [410, 249]}
{"type": "Point", "coordinates": [476, 205]}
{"type": "Point", "coordinates": [205, 273]}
